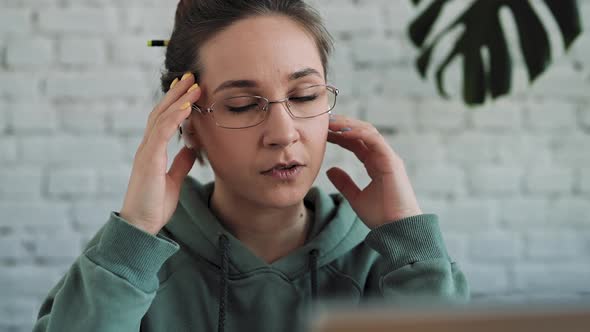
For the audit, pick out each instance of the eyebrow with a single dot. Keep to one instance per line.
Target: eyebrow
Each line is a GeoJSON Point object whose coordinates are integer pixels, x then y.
{"type": "Point", "coordinates": [252, 84]}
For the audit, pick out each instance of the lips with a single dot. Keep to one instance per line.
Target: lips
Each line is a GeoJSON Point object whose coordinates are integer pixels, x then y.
{"type": "Point", "coordinates": [283, 166]}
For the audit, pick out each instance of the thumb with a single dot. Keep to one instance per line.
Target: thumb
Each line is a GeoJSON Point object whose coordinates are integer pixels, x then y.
{"type": "Point", "coordinates": [342, 181]}
{"type": "Point", "coordinates": [182, 164]}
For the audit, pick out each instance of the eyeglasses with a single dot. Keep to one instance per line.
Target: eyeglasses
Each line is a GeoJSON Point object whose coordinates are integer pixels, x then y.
{"type": "Point", "coordinates": [240, 112]}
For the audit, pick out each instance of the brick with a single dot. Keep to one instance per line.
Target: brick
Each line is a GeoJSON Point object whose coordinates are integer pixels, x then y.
{"type": "Point", "coordinates": [497, 116]}
{"type": "Point", "coordinates": [132, 50]}
{"type": "Point", "coordinates": [90, 215]}
{"type": "Point", "coordinates": [79, 20]}
{"type": "Point", "coordinates": [368, 20]}
{"type": "Point", "coordinates": [486, 278]}
{"type": "Point", "coordinates": [83, 119]}
{"type": "Point", "coordinates": [584, 117]}
{"type": "Point", "coordinates": [348, 107]}
{"type": "Point", "coordinates": [439, 180]}
{"type": "Point", "coordinates": [549, 180]}
{"type": "Point", "coordinates": [567, 149]}
{"type": "Point", "coordinates": [63, 246]}
{"type": "Point", "coordinates": [82, 51]}
{"type": "Point", "coordinates": [20, 183]}
{"type": "Point", "coordinates": [12, 248]}
{"type": "Point", "coordinates": [470, 146]}
{"type": "Point", "coordinates": [19, 313]}
{"type": "Point", "coordinates": [15, 20]}
{"type": "Point", "coordinates": [495, 246]}
{"type": "Point", "coordinates": [114, 181]}
{"type": "Point", "coordinates": [398, 14]}
{"type": "Point", "coordinates": [383, 111]}
{"type": "Point", "coordinates": [71, 182]}
{"type": "Point", "coordinates": [456, 244]}
{"type": "Point", "coordinates": [130, 119]}
{"type": "Point", "coordinates": [160, 19]}
{"type": "Point", "coordinates": [484, 180]}
{"type": "Point", "coordinates": [29, 52]}
{"type": "Point", "coordinates": [33, 117]}
{"type": "Point", "coordinates": [23, 281]}
{"type": "Point", "coordinates": [523, 213]}
{"type": "Point", "coordinates": [560, 116]}
{"type": "Point", "coordinates": [82, 151]}
{"type": "Point", "coordinates": [17, 85]}
{"type": "Point", "coordinates": [413, 148]}
{"type": "Point", "coordinates": [545, 246]}
{"type": "Point", "coordinates": [5, 117]}
{"type": "Point", "coordinates": [39, 215]}
{"type": "Point", "coordinates": [436, 115]}
{"type": "Point", "coordinates": [584, 183]}
{"type": "Point", "coordinates": [565, 277]}
{"type": "Point", "coordinates": [570, 212]}
{"type": "Point", "coordinates": [131, 143]}
{"type": "Point", "coordinates": [377, 51]}
{"type": "Point", "coordinates": [97, 85]}
{"type": "Point", "coordinates": [8, 149]}
{"type": "Point", "coordinates": [468, 215]}
{"type": "Point", "coordinates": [523, 149]}
{"type": "Point", "coordinates": [405, 81]}
{"type": "Point", "coordinates": [561, 81]}
{"type": "Point", "coordinates": [354, 83]}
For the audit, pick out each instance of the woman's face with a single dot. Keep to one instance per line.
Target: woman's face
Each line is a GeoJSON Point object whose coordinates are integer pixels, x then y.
{"type": "Point", "coordinates": [268, 51]}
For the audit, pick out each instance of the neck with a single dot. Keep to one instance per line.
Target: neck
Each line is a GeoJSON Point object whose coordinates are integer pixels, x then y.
{"type": "Point", "coordinates": [271, 233]}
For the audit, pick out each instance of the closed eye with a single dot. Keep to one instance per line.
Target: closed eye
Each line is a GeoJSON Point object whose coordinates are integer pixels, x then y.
{"type": "Point", "coordinates": [242, 108]}
{"type": "Point", "coordinates": [303, 98]}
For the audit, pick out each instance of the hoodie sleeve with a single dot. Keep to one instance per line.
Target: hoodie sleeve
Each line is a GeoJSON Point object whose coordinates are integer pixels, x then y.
{"type": "Point", "coordinates": [111, 285]}
{"type": "Point", "coordinates": [413, 262]}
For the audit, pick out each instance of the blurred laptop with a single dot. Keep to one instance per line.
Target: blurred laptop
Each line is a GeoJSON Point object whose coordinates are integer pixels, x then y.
{"type": "Point", "coordinates": [574, 317]}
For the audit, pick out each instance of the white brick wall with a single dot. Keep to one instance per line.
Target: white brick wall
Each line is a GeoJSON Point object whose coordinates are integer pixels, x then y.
{"type": "Point", "coordinates": [510, 181]}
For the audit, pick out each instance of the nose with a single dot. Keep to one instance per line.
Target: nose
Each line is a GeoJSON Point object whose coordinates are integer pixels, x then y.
{"type": "Point", "coordinates": [279, 127]}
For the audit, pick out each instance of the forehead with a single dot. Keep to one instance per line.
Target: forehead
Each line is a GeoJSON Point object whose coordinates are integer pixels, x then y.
{"type": "Point", "coordinates": [263, 48]}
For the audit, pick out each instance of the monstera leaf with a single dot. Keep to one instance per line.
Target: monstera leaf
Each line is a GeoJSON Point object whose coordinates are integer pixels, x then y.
{"type": "Point", "coordinates": [482, 29]}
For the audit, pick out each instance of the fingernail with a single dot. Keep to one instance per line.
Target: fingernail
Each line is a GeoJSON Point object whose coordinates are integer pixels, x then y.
{"type": "Point", "coordinates": [187, 75]}
{"type": "Point", "coordinates": [185, 106]}
{"type": "Point", "coordinates": [345, 129]}
{"type": "Point", "coordinates": [193, 87]}
{"type": "Point", "coordinates": [174, 83]}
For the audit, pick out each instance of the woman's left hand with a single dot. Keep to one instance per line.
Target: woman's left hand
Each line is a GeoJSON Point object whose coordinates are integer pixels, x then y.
{"type": "Point", "coordinates": [389, 196]}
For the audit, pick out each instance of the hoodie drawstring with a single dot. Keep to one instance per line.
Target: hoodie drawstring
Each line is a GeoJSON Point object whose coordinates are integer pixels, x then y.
{"type": "Point", "coordinates": [313, 266]}
{"type": "Point", "coordinates": [224, 276]}
{"type": "Point", "coordinates": [223, 280]}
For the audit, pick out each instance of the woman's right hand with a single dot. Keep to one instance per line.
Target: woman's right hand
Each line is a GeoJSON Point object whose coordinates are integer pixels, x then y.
{"type": "Point", "coordinates": [152, 193]}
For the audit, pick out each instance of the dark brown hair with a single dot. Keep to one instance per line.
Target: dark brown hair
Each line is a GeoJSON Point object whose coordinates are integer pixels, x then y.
{"type": "Point", "coordinates": [197, 21]}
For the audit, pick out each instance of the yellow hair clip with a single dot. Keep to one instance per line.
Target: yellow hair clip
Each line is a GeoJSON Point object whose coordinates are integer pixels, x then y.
{"type": "Point", "coordinates": [152, 43]}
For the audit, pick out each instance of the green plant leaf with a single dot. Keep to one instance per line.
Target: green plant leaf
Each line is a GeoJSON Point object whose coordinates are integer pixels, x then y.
{"type": "Point", "coordinates": [483, 31]}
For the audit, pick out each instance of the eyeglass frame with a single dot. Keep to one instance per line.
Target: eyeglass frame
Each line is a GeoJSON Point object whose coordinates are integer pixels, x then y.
{"type": "Point", "coordinates": [266, 108]}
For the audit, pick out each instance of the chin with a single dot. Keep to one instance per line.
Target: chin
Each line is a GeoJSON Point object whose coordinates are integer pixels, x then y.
{"type": "Point", "coordinates": [281, 194]}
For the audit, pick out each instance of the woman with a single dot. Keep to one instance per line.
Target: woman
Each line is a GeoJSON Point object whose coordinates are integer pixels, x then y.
{"type": "Point", "coordinates": [254, 248]}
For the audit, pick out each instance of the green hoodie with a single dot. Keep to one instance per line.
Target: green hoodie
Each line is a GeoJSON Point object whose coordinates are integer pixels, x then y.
{"type": "Point", "coordinates": [195, 276]}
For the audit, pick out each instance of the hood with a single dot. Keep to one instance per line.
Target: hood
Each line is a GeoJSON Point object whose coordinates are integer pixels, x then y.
{"type": "Point", "coordinates": [335, 231]}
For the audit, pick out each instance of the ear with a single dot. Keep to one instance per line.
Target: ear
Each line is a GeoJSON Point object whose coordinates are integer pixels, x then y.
{"type": "Point", "coordinates": [188, 134]}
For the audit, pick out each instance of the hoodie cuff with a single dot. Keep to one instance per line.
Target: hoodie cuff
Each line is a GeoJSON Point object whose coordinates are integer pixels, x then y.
{"type": "Point", "coordinates": [132, 253]}
{"type": "Point", "coordinates": [409, 240]}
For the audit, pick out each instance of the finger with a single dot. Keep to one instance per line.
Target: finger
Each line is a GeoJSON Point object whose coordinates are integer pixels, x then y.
{"type": "Point", "coordinates": [356, 146]}
{"type": "Point", "coordinates": [343, 183]}
{"type": "Point", "coordinates": [182, 164]}
{"type": "Point", "coordinates": [175, 93]}
{"type": "Point", "coordinates": [173, 116]}
{"type": "Point", "coordinates": [165, 127]}
{"type": "Point", "coordinates": [370, 136]}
